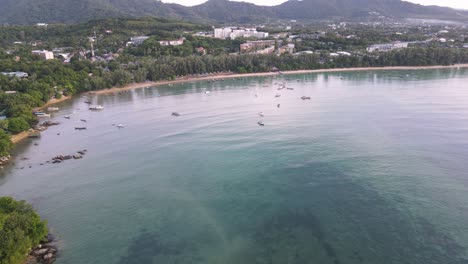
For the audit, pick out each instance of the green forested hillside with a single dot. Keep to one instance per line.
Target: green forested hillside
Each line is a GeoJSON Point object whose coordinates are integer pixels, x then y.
{"type": "Point", "coordinates": [308, 9]}
{"type": "Point", "coordinates": [76, 35]}
{"type": "Point", "coordinates": [70, 11]}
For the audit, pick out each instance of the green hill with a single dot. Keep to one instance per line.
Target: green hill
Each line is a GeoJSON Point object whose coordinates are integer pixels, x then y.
{"type": "Point", "coordinates": [224, 11]}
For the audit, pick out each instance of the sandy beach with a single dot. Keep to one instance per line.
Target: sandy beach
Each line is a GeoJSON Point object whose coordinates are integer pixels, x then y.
{"type": "Point", "coordinates": [51, 102]}
{"type": "Point", "coordinates": [19, 137]}
{"type": "Point", "coordinates": [23, 135]}
{"type": "Point", "coordinates": [265, 74]}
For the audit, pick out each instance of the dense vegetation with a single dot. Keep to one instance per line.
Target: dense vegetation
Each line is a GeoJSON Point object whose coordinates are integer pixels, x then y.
{"type": "Point", "coordinates": [151, 47]}
{"type": "Point", "coordinates": [21, 228]}
{"type": "Point", "coordinates": [77, 35]}
{"type": "Point", "coordinates": [69, 11]}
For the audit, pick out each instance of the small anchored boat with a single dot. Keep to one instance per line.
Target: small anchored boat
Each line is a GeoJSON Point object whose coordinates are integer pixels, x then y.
{"type": "Point", "coordinates": [67, 117]}
{"type": "Point", "coordinates": [120, 126]}
{"type": "Point", "coordinates": [175, 114]}
{"type": "Point", "coordinates": [305, 97]}
{"type": "Point", "coordinates": [52, 109]}
{"type": "Point", "coordinates": [260, 114]}
{"type": "Point", "coordinates": [277, 95]}
{"type": "Point", "coordinates": [41, 114]}
{"type": "Point", "coordinates": [96, 108]}
{"type": "Point", "coordinates": [80, 128]}
{"type": "Point", "coordinates": [260, 123]}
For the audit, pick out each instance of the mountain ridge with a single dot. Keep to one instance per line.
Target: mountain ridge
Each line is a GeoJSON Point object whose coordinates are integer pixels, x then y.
{"type": "Point", "coordinates": [220, 11]}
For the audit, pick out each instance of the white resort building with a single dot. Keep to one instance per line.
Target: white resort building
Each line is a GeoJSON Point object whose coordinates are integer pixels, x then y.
{"type": "Point", "coordinates": [45, 54]}
{"type": "Point", "coordinates": [233, 33]}
{"type": "Point", "coordinates": [387, 47]}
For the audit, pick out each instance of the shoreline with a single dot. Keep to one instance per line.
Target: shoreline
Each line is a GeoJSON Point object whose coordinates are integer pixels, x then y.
{"type": "Point", "coordinates": [52, 102]}
{"type": "Point", "coordinates": [19, 137]}
{"type": "Point", "coordinates": [23, 135]}
{"type": "Point", "coordinates": [147, 84]}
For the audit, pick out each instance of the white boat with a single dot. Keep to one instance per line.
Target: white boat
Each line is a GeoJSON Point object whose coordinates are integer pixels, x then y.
{"type": "Point", "coordinates": [260, 123]}
{"type": "Point", "coordinates": [260, 114]}
{"type": "Point", "coordinates": [41, 114]}
{"type": "Point", "coordinates": [120, 126]}
{"type": "Point", "coordinates": [97, 107]}
{"type": "Point", "coordinates": [52, 109]}
{"type": "Point", "coordinates": [207, 92]}
{"type": "Point", "coordinates": [67, 117]}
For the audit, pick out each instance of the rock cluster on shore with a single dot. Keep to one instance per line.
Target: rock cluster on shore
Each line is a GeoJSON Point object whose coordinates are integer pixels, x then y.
{"type": "Point", "coordinates": [50, 123]}
{"type": "Point", "coordinates": [4, 160]}
{"type": "Point", "coordinates": [44, 126]}
{"type": "Point", "coordinates": [45, 252]}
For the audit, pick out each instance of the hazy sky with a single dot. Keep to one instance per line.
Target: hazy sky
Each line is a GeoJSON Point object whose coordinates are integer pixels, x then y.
{"type": "Point", "coordinates": [452, 3]}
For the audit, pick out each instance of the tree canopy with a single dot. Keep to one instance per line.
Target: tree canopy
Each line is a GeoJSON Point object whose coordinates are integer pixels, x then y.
{"type": "Point", "coordinates": [21, 228]}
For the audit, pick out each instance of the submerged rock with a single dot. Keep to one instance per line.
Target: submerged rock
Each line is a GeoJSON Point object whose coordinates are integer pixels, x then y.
{"type": "Point", "coordinates": [50, 123]}
{"type": "Point", "coordinates": [40, 252]}
{"type": "Point", "coordinates": [48, 256]}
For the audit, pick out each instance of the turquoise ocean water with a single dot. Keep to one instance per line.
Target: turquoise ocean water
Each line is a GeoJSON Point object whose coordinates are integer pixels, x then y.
{"type": "Point", "coordinates": [373, 169]}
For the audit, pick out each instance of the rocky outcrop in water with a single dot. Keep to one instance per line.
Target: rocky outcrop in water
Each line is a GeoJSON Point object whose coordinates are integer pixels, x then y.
{"type": "Point", "coordinates": [61, 158]}
{"type": "Point", "coordinates": [50, 123]}
{"type": "Point", "coordinates": [46, 252]}
{"type": "Point", "coordinates": [4, 160]}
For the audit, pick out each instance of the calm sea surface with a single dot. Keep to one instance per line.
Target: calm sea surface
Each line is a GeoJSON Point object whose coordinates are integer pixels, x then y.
{"type": "Point", "coordinates": [373, 169]}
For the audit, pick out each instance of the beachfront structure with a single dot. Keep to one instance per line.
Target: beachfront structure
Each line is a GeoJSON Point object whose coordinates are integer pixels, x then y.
{"type": "Point", "coordinates": [268, 50]}
{"type": "Point", "coordinates": [387, 47]}
{"type": "Point", "coordinates": [287, 49]}
{"type": "Point", "coordinates": [304, 52]}
{"type": "Point", "coordinates": [248, 33]}
{"type": "Point", "coordinates": [343, 53]}
{"type": "Point", "coordinates": [16, 74]}
{"type": "Point", "coordinates": [45, 54]}
{"type": "Point", "coordinates": [255, 45]}
{"type": "Point", "coordinates": [137, 40]}
{"type": "Point", "coordinates": [233, 33]}
{"type": "Point", "coordinates": [176, 42]}
{"type": "Point", "coordinates": [201, 50]}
